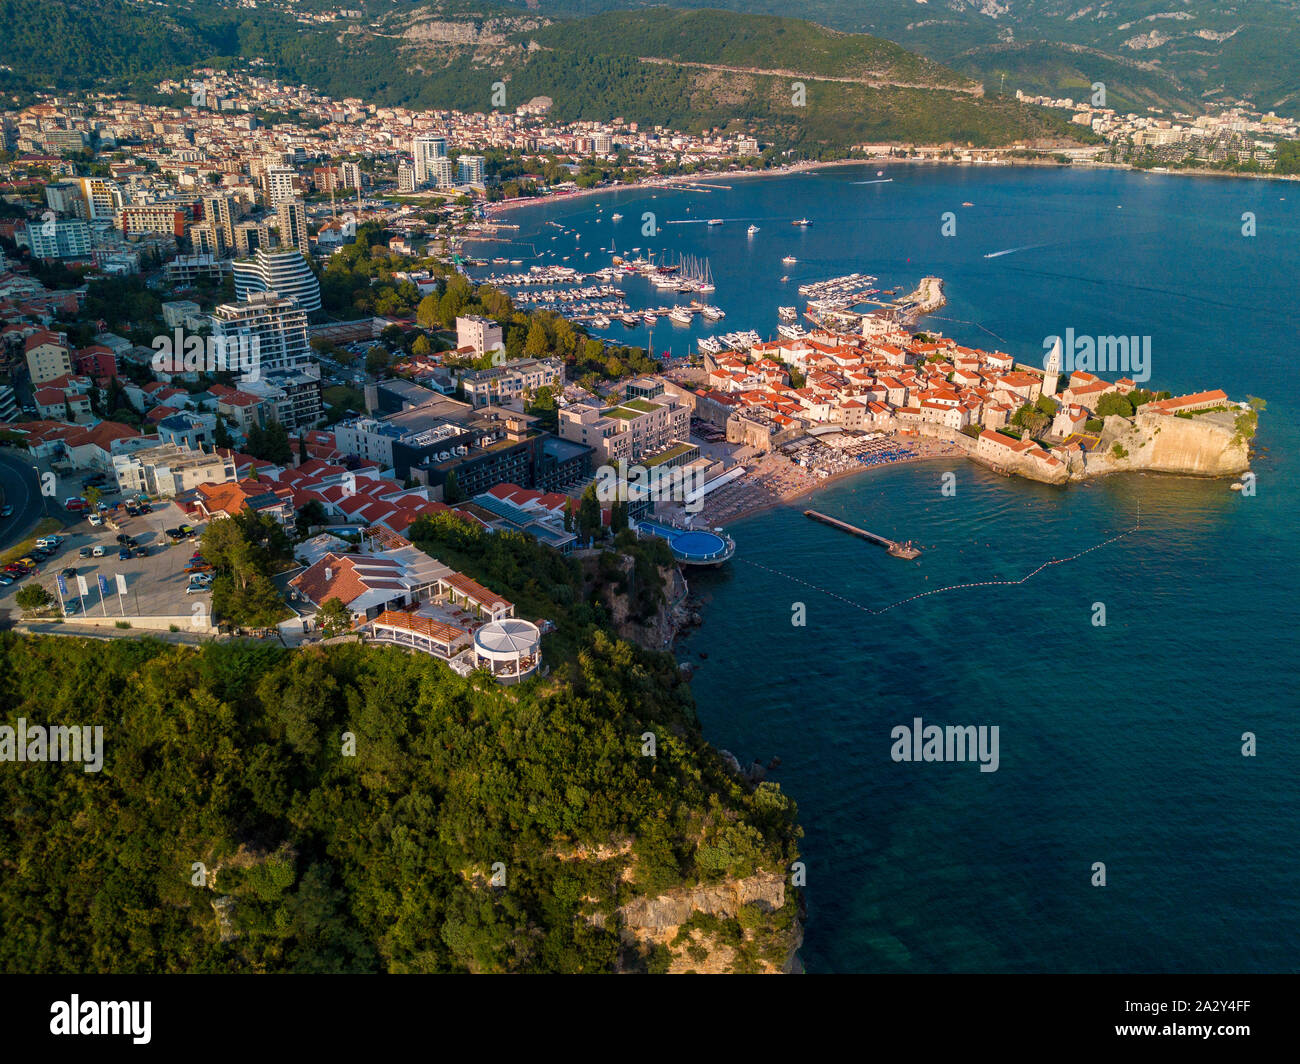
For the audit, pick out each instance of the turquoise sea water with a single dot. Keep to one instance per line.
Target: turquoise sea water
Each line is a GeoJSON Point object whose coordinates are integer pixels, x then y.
{"type": "Point", "coordinates": [1119, 744]}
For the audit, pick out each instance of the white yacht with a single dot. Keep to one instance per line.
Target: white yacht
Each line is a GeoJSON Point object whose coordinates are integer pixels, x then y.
{"type": "Point", "coordinates": [752, 230]}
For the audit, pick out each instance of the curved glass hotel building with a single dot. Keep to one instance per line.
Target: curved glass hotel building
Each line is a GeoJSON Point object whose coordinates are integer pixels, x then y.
{"type": "Point", "coordinates": [284, 272]}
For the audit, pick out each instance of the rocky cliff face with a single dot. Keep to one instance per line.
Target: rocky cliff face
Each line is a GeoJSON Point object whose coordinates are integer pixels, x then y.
{"type": "Point", "coordinates": [736, 925]}
{"type": "Point", "coordinates": [659, 631]}
{"type": "Point", "coordinates": [1207, 445]}
{"type": "Point", "coordinates": [751, 924]}
{"type": "Point", "coordinates": [475, 31]}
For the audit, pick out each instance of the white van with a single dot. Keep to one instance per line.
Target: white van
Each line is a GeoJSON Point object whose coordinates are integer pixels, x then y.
{"type": "Point", "coordinates": [98, 552]}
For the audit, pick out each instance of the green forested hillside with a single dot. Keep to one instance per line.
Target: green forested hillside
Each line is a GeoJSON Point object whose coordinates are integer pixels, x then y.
{"type": "Point", "coordinates": [613, 66]}
{"type": "Point", "coordinates": [757, 41]}
{"type": "Point", "coordinates": [1211, 49]}
{"type": "Point", "coordinates": [68, 46]}
{"type": "Point", "coordinates": [232, 756]}
{"type": "Point", "coordinates": [1050, 69]}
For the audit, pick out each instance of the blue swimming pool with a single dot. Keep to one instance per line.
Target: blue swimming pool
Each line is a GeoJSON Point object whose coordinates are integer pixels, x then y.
{"type": "Point", "coordinates": [690, 545]}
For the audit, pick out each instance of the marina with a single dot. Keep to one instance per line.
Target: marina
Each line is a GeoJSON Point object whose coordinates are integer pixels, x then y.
{"type": "Point", "coordinates": [595, 291]}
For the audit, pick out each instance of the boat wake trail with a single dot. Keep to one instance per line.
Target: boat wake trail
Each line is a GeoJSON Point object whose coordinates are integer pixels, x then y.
{"type": "Point", "coordinates": [951, 587]}
{"type": "Point", "coordinates": [877, 181]}
{"type": "Point", "coordinates": [1012, 251]}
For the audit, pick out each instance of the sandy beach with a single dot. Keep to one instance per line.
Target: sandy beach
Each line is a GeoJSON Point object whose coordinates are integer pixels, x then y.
{"type": "Point", "coordinates": [774, 480]}
{"type": "Point", "coordinates": [493, 209]}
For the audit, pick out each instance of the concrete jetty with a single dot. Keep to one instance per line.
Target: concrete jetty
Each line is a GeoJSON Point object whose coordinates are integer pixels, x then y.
{"type": "Point", "coordinates": [898, 550]}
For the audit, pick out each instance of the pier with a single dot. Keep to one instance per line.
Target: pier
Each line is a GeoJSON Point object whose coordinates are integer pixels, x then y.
{"type": "Point", "coordinates": [898, 550]}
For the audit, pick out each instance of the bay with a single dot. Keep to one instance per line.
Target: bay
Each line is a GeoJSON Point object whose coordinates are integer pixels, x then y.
{"type": "Point", "coordinates": [1119, 744]}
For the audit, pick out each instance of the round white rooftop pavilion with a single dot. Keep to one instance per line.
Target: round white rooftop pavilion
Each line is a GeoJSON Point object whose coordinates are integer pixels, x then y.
{"type": "Point", "coordinates": [511, 647]}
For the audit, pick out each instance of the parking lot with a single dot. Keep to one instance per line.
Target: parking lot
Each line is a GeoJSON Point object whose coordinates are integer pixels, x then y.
{"type": "Point", "coordinates": [155, 584]}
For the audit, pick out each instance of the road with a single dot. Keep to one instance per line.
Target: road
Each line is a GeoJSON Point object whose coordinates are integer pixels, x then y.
{"type": "Point", "coordinates": [22, 492]}
{"type": "Point", "coordinates": [91, 631]}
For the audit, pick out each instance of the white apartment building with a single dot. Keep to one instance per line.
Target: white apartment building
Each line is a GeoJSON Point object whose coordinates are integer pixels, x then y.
{"type": "Point", "coordinates": [427, 150]}
{"type": "Point", "coordinates": [471, 169]}
{"type": "Point", "coordinates": [635, 429]}
{"type": "Point", "coordinates": [170, 469]}
{"type": "Point", "coordinates": [291, 215]}
{"type": "Point", "coordinates": [276, 323]}
{"type": "Point", "coordinates": [480, 333]}
{"type": "Point", "coordinates": [279, 184]}
{"type": "Point", "coordinates": [369, 439]}
{"type": "Point", "coordinates": [67, 239]}
{"type": "Point", "coordinates": [507, 385]}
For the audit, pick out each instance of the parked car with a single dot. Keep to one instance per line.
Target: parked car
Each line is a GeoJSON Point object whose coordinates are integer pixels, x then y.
{"type": "Point", "coordinates": [197, 589]}
{"type": "Point", "coordinates": [95, 520]}
{"type": "Point", "coordinates": [197, 567]}
{"type": "Point", "coordinates": [124, 555]}
{"type": "Point", "coordinates": [7, 578]}
{"type": "Point", "coordinates": [186, 530]}
{"type": "Point", "coordinates": [69, 572]}
{"type": "Point", "coordinates": [49, 542]}
{"type": "Point", "coordinates": [76, 505]}
{"type": "Point", "coordinates": [84, 552]}
{"type": "Point", "coordinates": [6, 511]}
{"type": "Point", "coordinates": [97, 552]}
{"type": "Point", "coordinates": [70, 606]}
{"type": "Point", "coordinates": [140, 552]}
{"type": "Point", "coordinates": [124, 539]}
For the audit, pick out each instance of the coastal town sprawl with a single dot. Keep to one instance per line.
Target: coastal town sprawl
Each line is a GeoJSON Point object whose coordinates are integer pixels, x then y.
{"type": "Point", "coordinates": [228, 223]}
